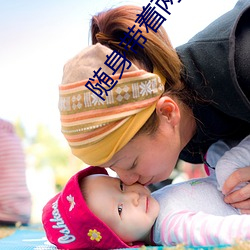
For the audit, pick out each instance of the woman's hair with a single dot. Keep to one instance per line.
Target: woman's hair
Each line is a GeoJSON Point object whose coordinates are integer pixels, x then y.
{"type": "Point", "coordinates": [109, 27]}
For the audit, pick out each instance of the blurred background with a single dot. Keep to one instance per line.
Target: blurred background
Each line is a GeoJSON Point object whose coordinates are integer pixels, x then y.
{"type": "Point", "coordinates": [36, 39]}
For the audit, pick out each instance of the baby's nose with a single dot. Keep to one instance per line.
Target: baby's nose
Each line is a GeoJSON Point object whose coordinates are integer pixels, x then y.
{"type": "Point", "coordinates": [133, 198]}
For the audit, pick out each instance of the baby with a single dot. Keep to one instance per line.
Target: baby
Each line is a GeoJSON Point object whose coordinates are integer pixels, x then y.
{"type": "Point", "coordinates": [96, 211]}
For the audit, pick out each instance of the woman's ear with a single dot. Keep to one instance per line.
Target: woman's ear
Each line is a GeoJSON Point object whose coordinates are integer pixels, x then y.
{"type": "Point", "coordinates": [168, 110]}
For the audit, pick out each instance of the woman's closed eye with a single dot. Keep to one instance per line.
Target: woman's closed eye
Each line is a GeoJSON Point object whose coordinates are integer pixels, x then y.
{"type": "Point", "coordinates": [121, 186]}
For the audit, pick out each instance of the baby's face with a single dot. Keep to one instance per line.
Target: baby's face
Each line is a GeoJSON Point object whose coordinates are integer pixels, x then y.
{"type": "Point", "coordinates": [130, 211]}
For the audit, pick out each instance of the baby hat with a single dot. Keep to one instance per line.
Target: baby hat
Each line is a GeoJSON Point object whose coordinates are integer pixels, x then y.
{"type": "Point", "coordinates": [97, 120]}
{"type": "Point", "coordinates": [69, 223]}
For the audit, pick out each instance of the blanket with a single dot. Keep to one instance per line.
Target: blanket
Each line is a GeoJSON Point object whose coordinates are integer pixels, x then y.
{"type": "Point", "coordinates": [33, 238]}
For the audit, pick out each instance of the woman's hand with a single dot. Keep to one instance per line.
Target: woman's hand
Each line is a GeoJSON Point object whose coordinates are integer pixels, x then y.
{"type": "Point", "coordinates": [240, 198]}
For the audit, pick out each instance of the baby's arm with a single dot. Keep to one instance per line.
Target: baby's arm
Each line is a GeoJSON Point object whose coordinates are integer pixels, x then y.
{"type": "Point", "coordinates": [237, 157]}
{"type": "Point", "coordinates": [201, 229]}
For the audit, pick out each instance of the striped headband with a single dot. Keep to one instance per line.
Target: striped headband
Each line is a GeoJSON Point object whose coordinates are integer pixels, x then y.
{"type": "Point", "coordinates": [96, 128]}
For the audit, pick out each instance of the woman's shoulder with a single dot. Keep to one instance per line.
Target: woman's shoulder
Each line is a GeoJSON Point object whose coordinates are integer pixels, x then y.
{"type": "Point", "coordinates": [209, 65]}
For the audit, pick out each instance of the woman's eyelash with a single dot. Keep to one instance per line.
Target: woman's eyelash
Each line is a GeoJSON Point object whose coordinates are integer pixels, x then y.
{"type": "Point", "coordinates": [121, 185]}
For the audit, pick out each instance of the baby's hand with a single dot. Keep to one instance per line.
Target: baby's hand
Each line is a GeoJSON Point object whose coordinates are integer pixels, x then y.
{"type": "Point", "coordinates": [240, 198]}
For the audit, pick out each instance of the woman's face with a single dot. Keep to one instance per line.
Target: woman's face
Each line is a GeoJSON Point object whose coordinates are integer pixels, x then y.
{"type": "Point", "coordinates": [148, 159]}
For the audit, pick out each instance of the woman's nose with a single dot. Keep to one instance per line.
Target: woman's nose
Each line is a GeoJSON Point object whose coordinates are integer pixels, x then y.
{"type": "Point", "coordinates": [126, 177]}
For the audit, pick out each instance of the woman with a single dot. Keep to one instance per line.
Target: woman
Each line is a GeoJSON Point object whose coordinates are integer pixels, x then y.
{"type": "Point", "coordinates": [140, 124]}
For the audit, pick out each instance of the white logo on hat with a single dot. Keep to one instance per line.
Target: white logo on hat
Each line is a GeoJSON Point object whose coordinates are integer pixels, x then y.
{"type": "Point", "coordinates": [72, 203]}
{"type": "Point", "coordinates": [67, 237]}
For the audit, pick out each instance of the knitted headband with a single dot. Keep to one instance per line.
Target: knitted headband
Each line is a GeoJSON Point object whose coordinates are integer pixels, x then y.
{"type": "Point", "coordinates": [69, 223]}
{"type": "Point", "coordinates": [97, 125]}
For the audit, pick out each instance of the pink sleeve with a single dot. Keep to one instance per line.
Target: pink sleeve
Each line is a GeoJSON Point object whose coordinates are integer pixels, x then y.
{"type": "Point", "coordinates": [201, 229]}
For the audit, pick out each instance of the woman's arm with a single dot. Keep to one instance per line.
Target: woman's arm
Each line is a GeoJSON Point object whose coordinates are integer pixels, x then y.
{"type": "Point", "coordinates": [237, 157]}
{"type": "Point", "coordinates": [233, 175]}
